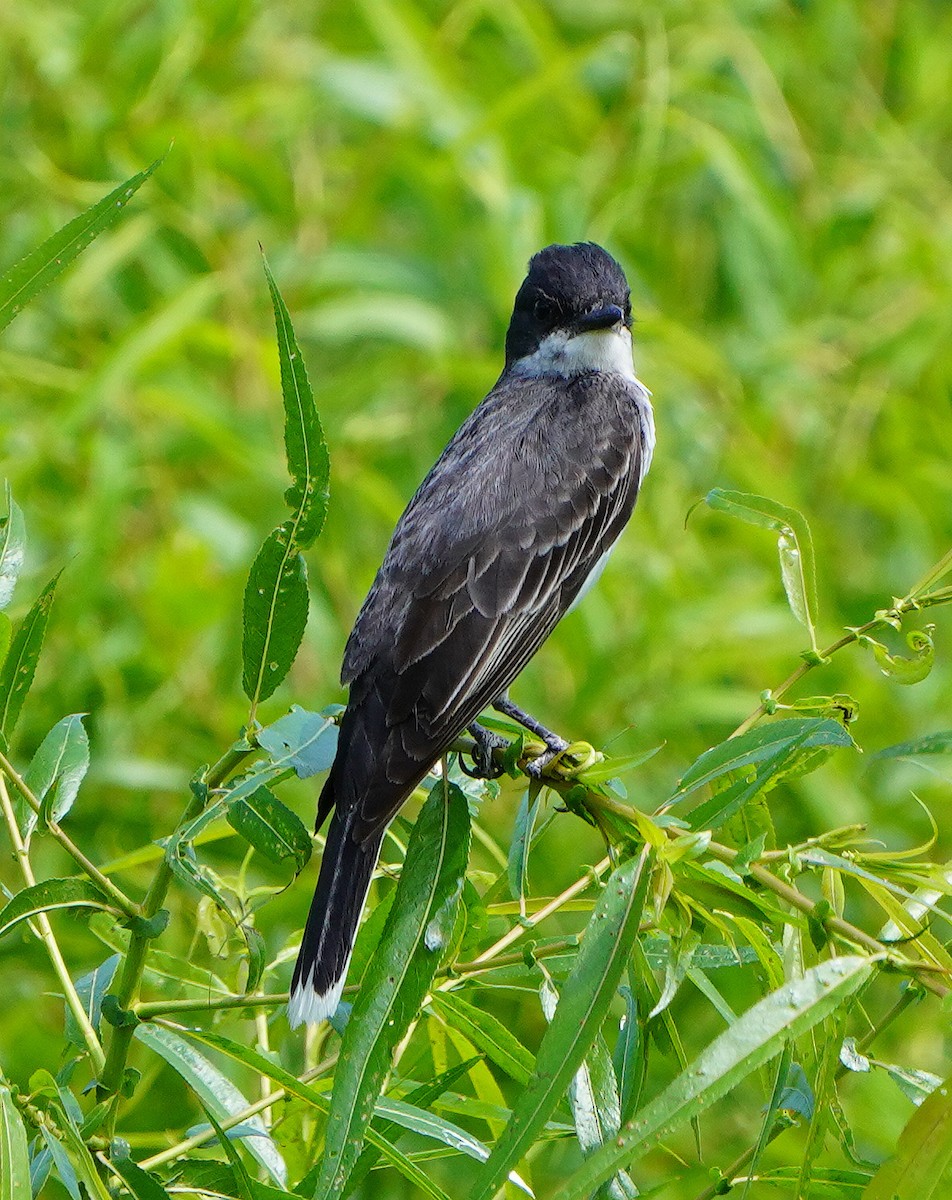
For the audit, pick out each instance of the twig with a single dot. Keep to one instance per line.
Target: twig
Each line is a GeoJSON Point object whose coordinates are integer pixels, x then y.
{"type": "Point", "coordinates": [103, 882]}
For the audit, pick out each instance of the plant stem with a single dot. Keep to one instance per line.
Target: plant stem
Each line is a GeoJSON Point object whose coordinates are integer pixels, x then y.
{"type": "Point", "coordinates": [162, 1008]}
{"type": "Point", "coordinates": [97, 1058]}
{"type": "Point", "coordinates": [910, 603]}
{"type": "Point", "coordinates": [133, 965]}
{"type": "Point", "coordinates": [103, 882]}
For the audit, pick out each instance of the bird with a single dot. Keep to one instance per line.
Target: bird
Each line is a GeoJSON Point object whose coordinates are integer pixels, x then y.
{"type": "Point", "coordinates": [509, 529]}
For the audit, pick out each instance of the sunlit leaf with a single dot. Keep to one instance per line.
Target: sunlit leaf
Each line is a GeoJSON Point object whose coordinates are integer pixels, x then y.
{"type": "Point", "coordinates": [905, 670]}
{"type": "Point", "coordinates": [306, 741]}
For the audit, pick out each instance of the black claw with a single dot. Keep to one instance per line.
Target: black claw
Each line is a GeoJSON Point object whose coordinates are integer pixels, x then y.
{"type": "Point", "coordinates": [484, 760]}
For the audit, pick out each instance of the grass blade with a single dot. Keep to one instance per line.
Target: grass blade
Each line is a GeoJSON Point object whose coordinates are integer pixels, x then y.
{"type": "Point", "coordinates": [41, 266]}
{"type": "Point", "coordinates": [586, 995]}
{"type": "Point", "coordinates": [756, 1037]}
{"type": "Point", "coordinates": [398, 976]}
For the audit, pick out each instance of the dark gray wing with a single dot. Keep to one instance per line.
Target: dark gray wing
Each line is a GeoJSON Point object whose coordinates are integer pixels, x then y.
{"type": "Point", "coordinates": [497, 543]}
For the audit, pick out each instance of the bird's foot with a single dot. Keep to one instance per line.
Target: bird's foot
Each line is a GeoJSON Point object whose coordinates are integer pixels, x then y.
{"type": "Point", "coordinates": [484, 765]}
{"type": "Point", "coordinates": [555, 746]}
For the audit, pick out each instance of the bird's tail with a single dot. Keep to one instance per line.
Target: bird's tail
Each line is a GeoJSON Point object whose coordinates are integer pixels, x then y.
{"type": "Point", "coordinates": [346, 870]}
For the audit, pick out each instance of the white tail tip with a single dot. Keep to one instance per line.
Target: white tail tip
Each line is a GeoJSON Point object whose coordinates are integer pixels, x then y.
{"type": "Point", "coordinates": [307, 1007]}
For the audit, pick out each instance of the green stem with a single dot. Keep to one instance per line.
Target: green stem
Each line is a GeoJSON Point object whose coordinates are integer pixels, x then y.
{"type": "Point", "coordinates": [103, 882]}
{"type": "Point", "coordinates": [127, 990]}
{"type": "Point", "coordinates": [162, 1008]}
{"type": "Point", "coordinates": [93, 1045]}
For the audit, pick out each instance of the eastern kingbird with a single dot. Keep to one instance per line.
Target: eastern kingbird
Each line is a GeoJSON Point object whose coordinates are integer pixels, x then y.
{"type": "Point", "coordinates": [508, 530]}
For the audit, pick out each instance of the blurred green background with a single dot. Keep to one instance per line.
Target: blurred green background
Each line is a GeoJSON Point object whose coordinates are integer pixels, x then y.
{"type": "Point", "coordinates": [775, 178]}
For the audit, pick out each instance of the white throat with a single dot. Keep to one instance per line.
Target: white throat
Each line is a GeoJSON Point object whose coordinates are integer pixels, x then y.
{"type": "Point", "coordinates": [561, 353]}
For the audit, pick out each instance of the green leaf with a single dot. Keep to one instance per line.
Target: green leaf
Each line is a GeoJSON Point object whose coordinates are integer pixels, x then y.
{"type": "Point", "coordinates": [931, 743]}
{"type": "Point", "coordinates": [905, 670]}
{"type": "Point", "coordinates": [217, 1093]}
{"type": "Point", "coordinates": [756, 1037]}
{"type": "Point", "coordinates": [310, 1095]}
{"type": "Point", "coordinates": [19, 666]}
{"type": "Point", "coordinates": [58, 768]}
{"type": "Point", "coordinates": [397, 977]}
{"type": "Point", "coordinates": [271, 828]}
{"type": "Point", "coordinates": [487, 1033]}
{"type": "Point", "coordinates": [306, 741]}
{"type": "Point", "coordinates": [41, 266]}
{"type": "Point", "coordinates": [14, 1151]}
{"type": "Point", "coordinates": [922, 1165]}
{"type": "Point", "coordinates": [274, 615]}
{"type": "Point", "coordinates": [308, 462]}
{"type": "Point", "coordinates": [795, 546]}
{"type": "Point", "coordinates": [141, 1185]}
{"type": "Point", "coordinates": [518, 862]}
{"type": "Point", "coordinates": [64, 1168]}
{"type": "Point", "coordinates": [49, 895]}
{"type": "Point", "coordinates": [586, 995]}
{"type": "Point", "coordinates": [91, 989]}
{"type": "Point", "coordinates": [12, 549]}
{"type": "Point", "coordinates": [758, 745]}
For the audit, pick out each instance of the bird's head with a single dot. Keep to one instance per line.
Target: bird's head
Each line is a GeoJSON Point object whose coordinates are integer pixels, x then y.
{"type": "Point", "coordinates": [572, 314]}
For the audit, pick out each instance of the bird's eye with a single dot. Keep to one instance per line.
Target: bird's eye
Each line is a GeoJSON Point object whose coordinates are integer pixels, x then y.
{"type": "Point", "coordinates": [545, 309]}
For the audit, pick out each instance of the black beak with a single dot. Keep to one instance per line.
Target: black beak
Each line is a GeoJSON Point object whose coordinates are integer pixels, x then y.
{"type": "Point", "coordinates": [602, 318]}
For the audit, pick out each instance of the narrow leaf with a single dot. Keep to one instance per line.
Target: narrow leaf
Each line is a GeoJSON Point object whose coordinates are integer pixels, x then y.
{"type": "Point", "coordinates": [271, 828]}
{"type": "Point", "coordinates": [12, 548]}
{"type": "Point", "coordinates": [486, 1033]}
{"type": "Point", "coordinates": [586, 995]}
{"type": "Point", "coordinates": [60, 1159]}
{"type": "Point", "coordinates": [14, 1152]}
{"type": "Point", "coordinates": [318, 1100]}
{"type": "Point", "coordinates": [19, 666]}
{"type": "Point", "coordinates": [41, 266]}
{"type": "Point", "coordinates": [397, 978]}
{"type": "Point", "coordinates": [308, 462]}
{"type": "Point", "coordinates": [274, 615]}
{"type": "Point", "coordinates": [141, 1185]}
{"type": "Point", "coordinates": [931, 743]}
{"type": "Point", "coordinates": [794, 544]}
{"type": "Point", "coordinates": [217, 1093]}
{"type": "Point", "coordinates": [756, 1037]}
{"type": "Point", "coordinates": [49, 895]}
{"type": "Point", "coordinates": [91, 988]}
{"type": "Point", "coordinates": [921, 1165]}
{"type": "Point", "coordinates": [758, 745]}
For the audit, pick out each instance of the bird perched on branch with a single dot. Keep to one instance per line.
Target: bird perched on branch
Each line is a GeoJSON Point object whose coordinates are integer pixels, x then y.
{"type": "Point", "coordinates": [511, 526]}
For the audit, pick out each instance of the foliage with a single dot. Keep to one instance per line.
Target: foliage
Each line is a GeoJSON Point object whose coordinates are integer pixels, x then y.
{"type": "Point", "coordinates": [764, 922]}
